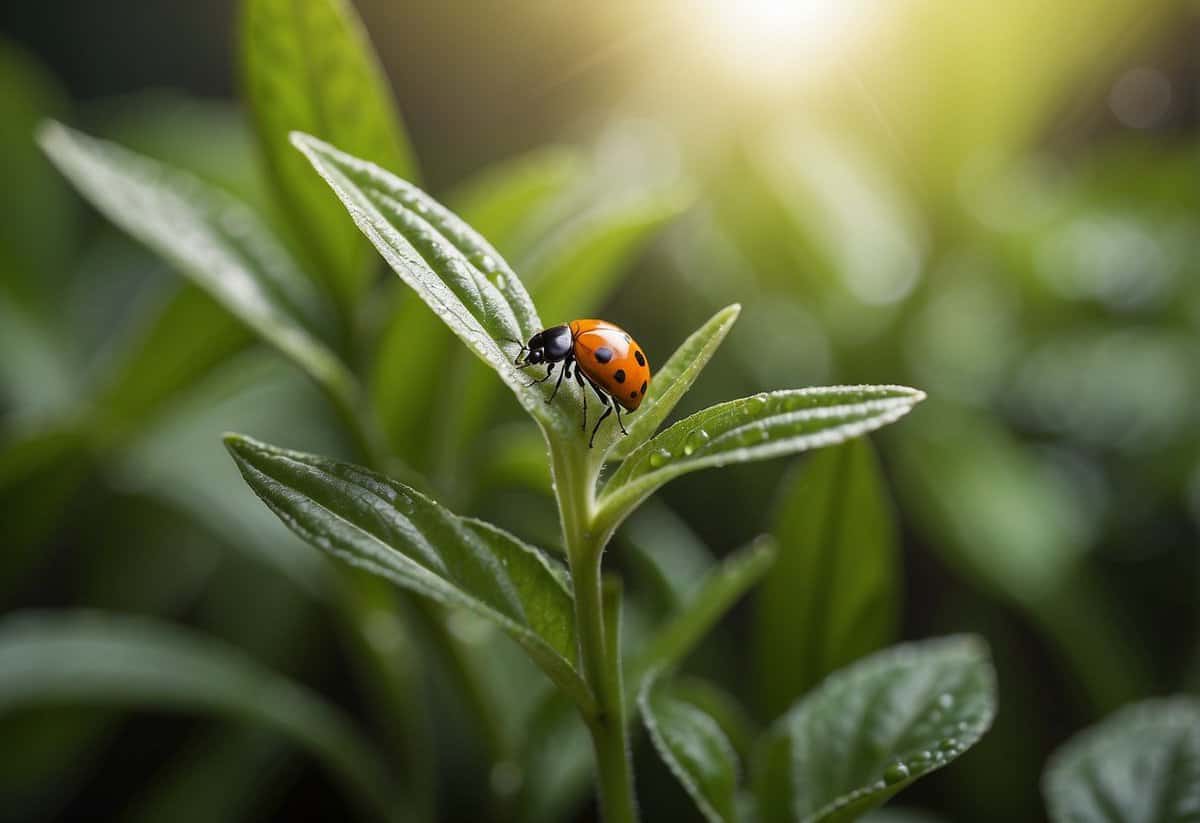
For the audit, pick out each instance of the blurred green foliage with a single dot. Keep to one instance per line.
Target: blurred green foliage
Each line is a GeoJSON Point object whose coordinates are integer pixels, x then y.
{"type": "Point", "coordinates": [979, 201]}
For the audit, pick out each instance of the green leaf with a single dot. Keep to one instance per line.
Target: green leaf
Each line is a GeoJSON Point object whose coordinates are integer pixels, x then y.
{"type": "Point", "coordinates": [873, 728]}
{"type": "Point", "coordinates": [41, 471]}
{"type": "Point", "coordinates": [695, 748]}
{"type": "Point", "coordinates": [716, 593]}
{"type": "Point", "coordinates": [212, 238]}
{"type": "Point", "coordinates": [380, 525]}
{"type": "Point", "coordinates": [670, 383]}
{"type": "Point", "coordinates": [1140, 765]}
{"type": "Point", "coordinates": [308, 65]}
{"type": "Point", "coordinates": [98, 659]}
{"type": "Point", "coordinates": [834, 594]}
{"type": "Point", "coordinates": [581, 261]}
{"type": "Point", "coordinates": [752, 428]}
{"type": "Point", "coordinates": [185, 339]}
{"type": "Point", "coordinates": [499, 201]}
{"type": "Point", "coordinates": [450, 266]}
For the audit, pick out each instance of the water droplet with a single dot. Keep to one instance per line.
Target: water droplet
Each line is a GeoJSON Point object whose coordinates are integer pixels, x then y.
{"type": "Point", "coordinates": [921, 759]}
{"type": "Point", "coordinates": [758, 403]}
{"type": "Point", "coordinates": [483, 262]}
{"type": "Point", "coordinates": [501, 282]}
{"type": "Point", "coordinates": [659, 457]}
{"type": "Point", "coordinates": [948, 745]}
{"type": "Point", "coordinates": [894, 773]}
{"type": "Point", "coordinates": [946, 701]}
{"type": "Point", "coordinates": [695, 440]}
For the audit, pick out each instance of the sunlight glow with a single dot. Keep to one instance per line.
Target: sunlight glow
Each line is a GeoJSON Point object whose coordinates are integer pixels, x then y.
{"type": "Point", "coordinates": [777, 40]}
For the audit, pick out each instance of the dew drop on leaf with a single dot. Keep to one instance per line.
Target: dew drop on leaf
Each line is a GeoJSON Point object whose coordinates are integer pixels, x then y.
{"type": "Point", "coordinates": [659, 457]}
{"type": "Point", "coordinates": [694, 441]}
{"type": "Point", "coordinates": [895, 773]}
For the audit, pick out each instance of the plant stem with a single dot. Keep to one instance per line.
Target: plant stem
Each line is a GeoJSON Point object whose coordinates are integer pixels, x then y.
{"type": "Point", "coordinates": [597, 621]}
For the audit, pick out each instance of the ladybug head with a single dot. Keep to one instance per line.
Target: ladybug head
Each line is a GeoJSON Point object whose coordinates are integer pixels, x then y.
{"type": "Point", "coordinates": [549, 346]}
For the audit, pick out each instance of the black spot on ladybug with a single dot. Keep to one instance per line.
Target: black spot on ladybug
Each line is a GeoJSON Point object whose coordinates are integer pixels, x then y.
{"type": "Point", "coordinates": [638, 356]}
{"type": "Point", "coordinates": [643, 387]}
{"type": "Point", "coordinates": [633, 394]}
{"type": "Point", "coordinates": [603, 354]}
{"type": "Point", "coordinates": [619, 376]}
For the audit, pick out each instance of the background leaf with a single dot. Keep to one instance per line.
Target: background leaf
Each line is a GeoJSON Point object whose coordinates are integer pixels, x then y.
{"type": "Point", "coordinates": [85, 657]}
{"type": "Point", "coordinates": [307, 65]}
{"type": "Point", "coordinates": [212, 238]}
{"type": "Point", "coordinates": [1141, 765]}
{"type": "Point", "coordinates": [695, 748]}
{"type": "Point", "coordinates": [871, 729]}
{"type": "Point", "coordinates": [708, 601]}
{"type": "Point", "coordinates": [834, 593]}
{"type": "Point", "coordinates": [753, 428]}
{"type": "Point", "coordinates": [379, 525]}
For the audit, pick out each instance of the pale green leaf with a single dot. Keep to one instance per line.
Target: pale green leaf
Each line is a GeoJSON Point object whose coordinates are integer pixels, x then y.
{"type": "Point", "coordinates": [579, 263]}
{"type": "Point", "coordinates": [695, 748]}
{"type": "Point", "coordinates": [1141, 765]}
{"type": "Point", "coordinates": [450, 266]}
{"type": "Point", "coordinates": [669, 383]}
{"type": "Point", "coordinates": [873, 728]}
{"type": "Point", "coordinates": [307, 65]}
{"type": "Point", "coordinates": [752, 428]}
{"type": "Point", "coordinates": [378, 524]}
{"type": "Point", "coordinates": [212, 238]}
{"type": "Point", "coordinates": [501, 200]}
{"type": "Point", "coordinates": [834, 594]}
{"type": "Point", "coordinates": [98, 659]}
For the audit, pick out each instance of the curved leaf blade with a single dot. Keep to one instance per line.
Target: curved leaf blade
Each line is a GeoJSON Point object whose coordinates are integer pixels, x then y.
{"type": "Point", "coordinates": [1141, 765]}
{"type": "Point", "coordinates": [834, 594]}
{"type": "Point", "coordinates": [873, 728]}
{"type": "Point", "coordinates": [378, 524]}
{"type": "Point", "coordinates": [89, 657]}
{"type": "Point", "coordinates": [672, 381]}
{"type": "Point", "coordinates": [447, 263]}
{"type": "Point", "coordinates": [697, 751]}
{"type": "Point", "coordinates": [752, 428]}
{"type": "Point", "coordinates": [214, 240]}
{"type": "Point", "coordinates": [308, 65]}
{"type": "Point", "coordinates": [711, 598]}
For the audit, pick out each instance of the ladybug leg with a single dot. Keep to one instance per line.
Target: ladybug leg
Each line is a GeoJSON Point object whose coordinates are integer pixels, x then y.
{"type": "Point", "coordinates": [579, 378]}
{"type": "Point", "coordinates": [608, 407]}
{"type": "Point", "coordinates": [561, 375]}
{"type": "Point", "coordinates": [620, 422]}
{"type": "Point", "coordinates": [549, 374]}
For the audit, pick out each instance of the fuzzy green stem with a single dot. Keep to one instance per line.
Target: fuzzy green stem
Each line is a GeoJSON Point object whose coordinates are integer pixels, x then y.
{"type": "Point", "coordinates": [597, 624]}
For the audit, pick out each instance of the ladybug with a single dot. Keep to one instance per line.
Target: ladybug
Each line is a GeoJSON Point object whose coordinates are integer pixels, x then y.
{"type": "Point", "coordinates": [605, 357]}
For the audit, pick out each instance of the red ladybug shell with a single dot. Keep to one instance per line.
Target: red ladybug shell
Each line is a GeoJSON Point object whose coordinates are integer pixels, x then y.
{"type": "Point", "coordinates": [612, 359]}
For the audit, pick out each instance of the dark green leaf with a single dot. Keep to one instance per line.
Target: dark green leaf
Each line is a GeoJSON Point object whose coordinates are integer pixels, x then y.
{"type": "Point", "coordinates": [873, 728]}
{"type": "Point", "coordinates": [703, 607]}
{"type": "Point", "coordinates": [695, 748]}
{"type": "Point", "coordinates": [308, 65]}
{"type": "Point", "coordinates": [1141, 765]}
{"type": "Point", "coordinates": [186, 338]}
{"type": "Point", "coordinates": [833, 596]}
{"type": "Point", "coordinates": [378, 524]}
{"type": "Point", "coordinates": [107, 660]}
{"type": "Point", "coordinates": [753, 428]}
{"type": "Point", "coordinates": [212, 238]}
{"type": "Point", "coordinates": [672, 381]}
